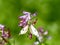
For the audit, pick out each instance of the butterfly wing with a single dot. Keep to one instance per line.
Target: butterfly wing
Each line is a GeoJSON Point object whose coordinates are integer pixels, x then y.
{"type": "Point", "coordinates": [34, 31]}
{"type": "Point", "coordinates": [24, 30]}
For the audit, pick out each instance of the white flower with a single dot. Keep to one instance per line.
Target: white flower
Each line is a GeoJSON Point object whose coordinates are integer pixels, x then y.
{"type": "Point", "coordinates": [46, 32]}
{"type": "Point", "coordinates": [40, 38]}
{"type": "Point", "coordinates": [36, 43]}
{"type": "Point", "coordinates": [49, 37]}
{"type": "Point", "coordinates": [32, 30]}
{"type": "Point", "coordinates": [42, 34]}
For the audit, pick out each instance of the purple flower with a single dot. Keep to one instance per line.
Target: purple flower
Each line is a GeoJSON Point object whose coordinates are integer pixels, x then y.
{"type": "Point", "coordinates": [25, 16]}
{"type": "Point", "coordinates": [27, 24]}
{"type": "Point", "coordinates": [5, 34]}
{"type": "Point", "coordinates": [26, 13]}
{"type": "Point", "coordinates": [42, 34]}
{"type": "Point", "coordinates": [34, 14]}
{"type": "Point", "coordinates": [3, 31]}
{"type": "Point", "coordinates": [1, 26]}
{"type": "Point", "coordinates": [23, 23]}
{"type": "Point", "coordinates": [24, 19]}
{"type": "Point", "coordinates": [41, 30]}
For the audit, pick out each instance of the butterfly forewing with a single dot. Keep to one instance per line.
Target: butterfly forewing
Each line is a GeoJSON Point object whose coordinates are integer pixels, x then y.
{"type": "Point", "coordinates": [24, 30]}
{"type": "Point", "coordinates": [34, 31]}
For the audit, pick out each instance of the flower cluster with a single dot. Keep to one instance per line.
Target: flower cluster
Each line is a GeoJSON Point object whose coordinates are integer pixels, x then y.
{"type": "Point", "coordinates": [27, 24]}
{"type": "Point", "coordinates": [4, 33]}
{"type": "Point", "coordinates": [43, 36]}
{"type": "Point", "coordinates": [24, 19]}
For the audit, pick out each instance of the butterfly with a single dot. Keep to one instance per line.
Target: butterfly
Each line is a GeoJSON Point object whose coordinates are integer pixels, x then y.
{"type": "Point", "coordinates": [32, 29]}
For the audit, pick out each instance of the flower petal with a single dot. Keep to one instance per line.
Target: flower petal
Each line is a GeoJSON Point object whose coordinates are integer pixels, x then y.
{"type": "Point", "coordinates": [36, 43]}
{"type": "Point", "coordinates": [26, 13]}
{"type": "Point", "coordinates": [49, 37]}
{"type": "Point", "coordinates": [34, 31]}
{"type": "Point", "coordinates": [1, 26]}
{"type": "Point", "coordinates": [41, 30]}
{"type": "Point", "coordinates": [22, 17]}
{"type": "Point", "coordinates": [29, 17]}
{"type": "Point", "coordinates": [24, 30]}
{"type": "Point", "coordinates": [40, 39]}
{"type": "Point", "coordinates": [34, 14]}
{"type": "Point", "coordinates": [46, 32]}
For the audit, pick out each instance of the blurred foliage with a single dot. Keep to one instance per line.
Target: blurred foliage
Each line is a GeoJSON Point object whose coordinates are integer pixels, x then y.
{"type": "Point", "coordinates": [48, 17]}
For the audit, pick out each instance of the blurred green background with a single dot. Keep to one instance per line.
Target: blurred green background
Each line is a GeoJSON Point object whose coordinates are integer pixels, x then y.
{"type": "Point", "coordinates": [48, 17]}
